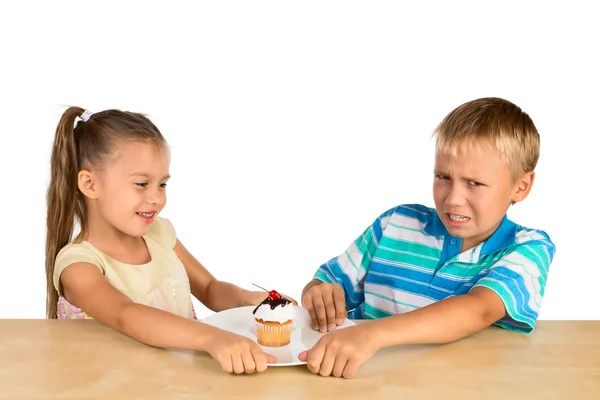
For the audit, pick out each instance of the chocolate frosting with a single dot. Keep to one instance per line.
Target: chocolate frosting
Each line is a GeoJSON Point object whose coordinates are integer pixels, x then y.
{"type": "Point", "coordinates": [283, 301]}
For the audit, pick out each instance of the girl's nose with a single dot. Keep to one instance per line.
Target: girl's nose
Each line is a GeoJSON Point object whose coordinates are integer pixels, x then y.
{"type": "Point", "coordinates": [154, 197]}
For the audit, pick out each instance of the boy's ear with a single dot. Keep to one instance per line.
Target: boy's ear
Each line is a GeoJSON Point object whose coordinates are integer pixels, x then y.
{"type": "Point", "coordinates": [86, 182]}
{"type": "Point", "coordinates": [523, 186]}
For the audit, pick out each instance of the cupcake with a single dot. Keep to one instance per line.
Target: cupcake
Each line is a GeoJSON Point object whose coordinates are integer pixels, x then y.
{"type": "Point", "coordinates": [274, 318]}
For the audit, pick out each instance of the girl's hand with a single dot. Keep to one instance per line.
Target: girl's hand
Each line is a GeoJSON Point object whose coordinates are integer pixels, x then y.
{"type": "Point", "coordinates": [236, 353]}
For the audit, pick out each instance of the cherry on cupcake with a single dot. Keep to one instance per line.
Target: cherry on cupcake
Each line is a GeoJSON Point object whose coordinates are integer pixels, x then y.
{"type": "Point", "coordinates": [272, 294]}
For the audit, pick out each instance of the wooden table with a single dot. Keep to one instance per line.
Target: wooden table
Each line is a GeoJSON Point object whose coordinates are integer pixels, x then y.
{"type": "Point", "coordinates": [41, 359]}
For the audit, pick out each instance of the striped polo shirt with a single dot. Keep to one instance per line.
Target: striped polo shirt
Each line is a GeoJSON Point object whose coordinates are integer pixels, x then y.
{"type": "Point", "coordinates": [407, 259]}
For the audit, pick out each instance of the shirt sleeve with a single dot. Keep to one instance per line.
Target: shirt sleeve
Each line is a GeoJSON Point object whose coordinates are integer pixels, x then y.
{"type": "Point", "coordinates": [350, 268]}
{"type": "Point", "coordinates": [519, 279]}
{"type": "Point", "coordinates": [71, 254]}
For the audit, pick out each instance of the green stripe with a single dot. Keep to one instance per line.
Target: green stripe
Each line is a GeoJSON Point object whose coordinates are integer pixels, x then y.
{"type": "Point", "coordinates": [390, 299]}
{"type": "Point", "coordinates": [376, 312]}
{"type": "Point", "coordinates": [390, 249]}
{"type": "Point", "coordinates": [366, 247]}
{"type": "Point", "coordinates": [529, 253]}
{"type": "Point", "coordinates": [461, 270]}
{"type": "Point", "coordinates": [411, 247]}
{"type": "Point", "coordinates": [507, 299]}
{"type": "Point", "coordinates": [407, 257]}
{"type": "Point", "coordinates": [406, 228]}
{"type": "Point", "coordinates": [322, 277]}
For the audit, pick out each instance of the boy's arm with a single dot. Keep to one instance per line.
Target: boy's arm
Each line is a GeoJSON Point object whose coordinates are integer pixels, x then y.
{"type": "Point", "coordinates": [509, 295]}
{"type": "Point", "coordinates": [337, 286]}
{"type": "Point", "coordinates": [341, 353]}
{"type": "Point", "coordinates": [441, 322]}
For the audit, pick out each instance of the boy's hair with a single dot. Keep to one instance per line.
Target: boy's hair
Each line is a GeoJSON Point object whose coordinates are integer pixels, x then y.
{"type": "Point", "coordinates": [85, 146]}
{"type": "Point", "coordinates": [495, 121]}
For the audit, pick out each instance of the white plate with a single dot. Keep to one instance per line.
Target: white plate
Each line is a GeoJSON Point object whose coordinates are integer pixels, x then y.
{"type": "Point", "coordinates": [241, 321]}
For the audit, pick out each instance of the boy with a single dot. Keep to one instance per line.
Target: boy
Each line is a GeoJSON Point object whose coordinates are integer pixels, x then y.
{"type": "Point", "coordinates": [426, 275]}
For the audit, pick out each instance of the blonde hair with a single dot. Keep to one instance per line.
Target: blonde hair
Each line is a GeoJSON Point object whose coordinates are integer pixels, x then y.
{"type": "Point", "coordinates": [85, 145]}
{"type": "Point", "coordinates": [494, 121]}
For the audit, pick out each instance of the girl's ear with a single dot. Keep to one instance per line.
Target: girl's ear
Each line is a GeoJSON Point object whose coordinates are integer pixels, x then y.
{"type": "Point", "coordinates": [86, 182]}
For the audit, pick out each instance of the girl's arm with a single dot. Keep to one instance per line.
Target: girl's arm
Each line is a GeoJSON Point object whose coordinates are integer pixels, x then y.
{"type": "Point", "coordinates": [214, 294]}
{"type": "Point", "coordinates": [85, 286]}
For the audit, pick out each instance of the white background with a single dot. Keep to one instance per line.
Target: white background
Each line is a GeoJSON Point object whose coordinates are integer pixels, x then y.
{"type": "Point", "coordinates": [294, 125]}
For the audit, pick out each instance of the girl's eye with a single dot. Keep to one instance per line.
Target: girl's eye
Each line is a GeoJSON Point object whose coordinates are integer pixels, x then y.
{"type": "Point", "coordinates": [474, 183]}
{"type": "Point", "coordinates": [142, 184]}
{"type": "Point", "coordinates": [442, 177]}
{"type": "Point", "coordinates": [163, 185]}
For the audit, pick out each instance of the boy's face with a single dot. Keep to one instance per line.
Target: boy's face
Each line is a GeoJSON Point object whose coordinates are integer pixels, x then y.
{"type": "Point", "coordinates": [473, 190]}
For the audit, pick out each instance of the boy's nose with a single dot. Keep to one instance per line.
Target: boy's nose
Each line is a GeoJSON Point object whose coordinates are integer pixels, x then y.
{"type": "Point", "coordinates": [455, 197]}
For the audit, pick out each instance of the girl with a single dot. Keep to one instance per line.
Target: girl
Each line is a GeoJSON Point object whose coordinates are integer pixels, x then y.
{"type": "Point", "coordinates": [126, 268]}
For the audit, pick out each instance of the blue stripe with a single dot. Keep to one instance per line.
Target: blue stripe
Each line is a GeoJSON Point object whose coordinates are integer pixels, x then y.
{"type": "Point", "coordinates": [374, 286]}
{"type": "Point", "coordinates": [449, 250]}
{"type": "Point", "coordinates": [418, 283]}
{"type": "Point", "coordinates": [411, 286]}
{"type": "Point", "coordinates": [415, 211]}
{"type": "Point", "coordinates": [403, 270]}
{"type": "Point", "coordinates": [357, 313]}
{"type": "Point", "coordinates": [377, 231]}
{"type": "Point", "coordinates": [354, 295]}
{"type": "Point", "coordinates": [439, 293]}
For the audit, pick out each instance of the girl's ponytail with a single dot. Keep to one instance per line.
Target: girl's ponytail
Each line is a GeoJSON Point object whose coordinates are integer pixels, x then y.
{"type": "Point", "coordinates": [63, 199]}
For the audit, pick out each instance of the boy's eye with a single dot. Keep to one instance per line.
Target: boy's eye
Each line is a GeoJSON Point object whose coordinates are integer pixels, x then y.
{"type": "Point", "coordinates": [163, 185]}
{"type": "Point", "coordinates": [443, 177]}
{"type": "Point", "coordinates": [474, 183]}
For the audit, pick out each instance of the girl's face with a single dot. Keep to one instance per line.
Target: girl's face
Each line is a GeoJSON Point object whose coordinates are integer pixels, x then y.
{"type": "Point", "coordinates": [131, 189]}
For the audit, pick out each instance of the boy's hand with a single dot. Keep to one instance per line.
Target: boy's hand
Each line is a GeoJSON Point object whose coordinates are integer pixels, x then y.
{"type": "Point", "coordinates": [237, 353]}
{"type": "Point", "coordinates": [341, 353]}
{"type": "Point", "coordinates": [326, 305]}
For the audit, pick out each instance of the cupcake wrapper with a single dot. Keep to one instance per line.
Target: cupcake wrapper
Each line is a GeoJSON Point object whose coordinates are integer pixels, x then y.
{"type": "Point", "coordinates": [273, 335]}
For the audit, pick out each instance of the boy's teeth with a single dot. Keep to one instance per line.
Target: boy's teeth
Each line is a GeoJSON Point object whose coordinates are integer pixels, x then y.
{"type": "Point", "coordinates": [147, 215]}
{"type": "Point", "coordinates": [458, 217]}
